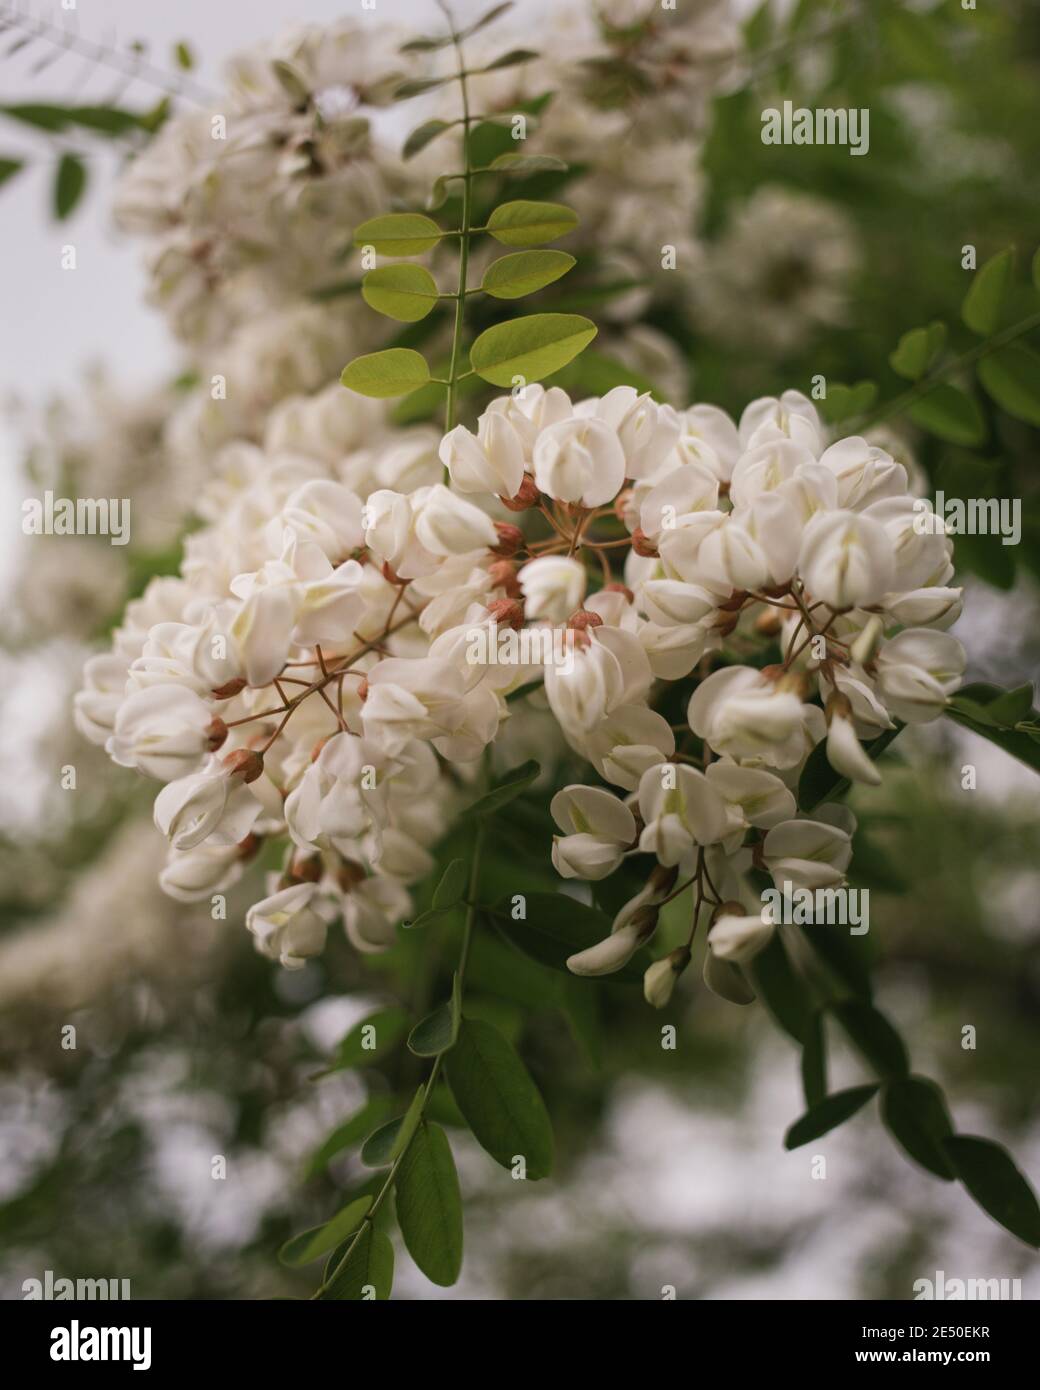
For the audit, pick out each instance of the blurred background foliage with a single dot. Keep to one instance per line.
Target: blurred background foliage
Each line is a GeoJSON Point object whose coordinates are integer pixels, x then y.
{"type": "Point", "coordinates": [671, 1170]}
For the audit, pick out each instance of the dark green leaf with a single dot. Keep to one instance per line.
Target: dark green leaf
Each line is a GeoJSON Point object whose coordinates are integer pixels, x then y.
{"type": "Point", "coordinates": [512, 59]}
{"type": "Point", "coordinates": [52, 118]}
{"type": "Point", "coordinates": [819, 782]}
{"type": "Point", "coordinates": [308, 1245]}
{"type": "Point", "coordinates": [1011, 375]}
{"type": "Point", "coordinates": [452, 886]}
{"type": "Point", "coordinates": [371, 1040]}
{"type": "Point", "coordinates": [350, 1132]}
{"type": "Point", "coordinates": [409, 1124]}
{"type": "Point", "coordinates": [915, 1113]}
{"type": "Point", "coordinates": [557, 926]}
{"type": "Point", "coordinates": [874, 1036]}
{"type": "Point", "coordinates": [949, 414]}
{"type": "Point", "coordinates": [991, 1176]}
{"type": "Point", "coordinates": [9, 167]}
{"type": "Point", "coordinates": [368, 1273]}
{"type": "Point", "coordinates": [419, 86]}
{"type": "Point", "coordinates": [377, 1149]}
{"type": "Point", "coordinates": [784, 993]}
{"type": "Point", "coordinates": [506, 790]}
{"type": "Point", "coordinates": [422, 135]}
{"type": "Point", "coordinates": [970, 707]}
{"type": "Point", "coordinates": [985, 299]}
{"type": "Point", "coordinates": [488, 17]}
{"type": "Point", "coordinates": [917, 350]}
{"type": "Point", "coordinates": [501, 1103]}
{"type": "Point", "coordinates": [69, 184]}
{"type": "Point", "coordinates": [843, 955]}
{"type": "Point", "coordinates": [528, 163]}
{"type": "Point", "coordinates": [814, 1063]}
{"type": "Point", "coordinates": [434, 1034]}
{"type": "Point", "coordinates": [429, 1205]}
{"type": "Point", "coordinates": [830, 1113]}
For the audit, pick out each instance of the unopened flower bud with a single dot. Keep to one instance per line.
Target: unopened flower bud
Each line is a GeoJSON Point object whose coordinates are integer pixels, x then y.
{"type": "Point", "coordinates": [244, 764]}
{"type": "Point", "coordinates": [642, 545]}
{"type": "Point", "coordinates": [583, 619]}
{"type": "Point", "coordinates": [659, 980]}
{"type": "Point", "coordinates": [620, 589]}
{"type": "Point", "coordinates": [306, 868]}
{"type": "Point", "coordinates": [527, 497]}
{"type": "Point", "coordinates": [229, 689]}
{"type": "Point", "coordinates": [502, 575]}
{"type": "Point", "coordinates": [510, 539]}
{"type": "Point", "coordinates": [507, 612]}
{"type": "Point", "coordinates": [216, 733]}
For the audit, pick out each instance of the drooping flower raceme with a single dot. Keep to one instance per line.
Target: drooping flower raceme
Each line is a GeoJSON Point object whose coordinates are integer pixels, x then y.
{"type": "Point", "coordinates": [354, 629]}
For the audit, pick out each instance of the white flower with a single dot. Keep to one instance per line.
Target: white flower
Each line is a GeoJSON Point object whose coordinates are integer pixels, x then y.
{"type": "Point", "coordinates": [414, 534]}
{"type": "Point", "coordinates": [553, 587]}
{"type": "Point", "coordinates": [96, 706]}
{"type": "Point", "coordinates": [286, 928]}
{"type": "Point", "coordinates": [648, 432]}
{"type": "Point", "coordinates": [627, 743]}
{"type": "Point", "coordinates": [659, 979]}
{"type": "Point", "coordinates": [163, 731]}
{"type": "Point", "coordinates": [846, 559]}
{"type": "Point", "coordinates": [792, 416]}
{"type": "Point", "coordinates": [681, 810]}
{"type": "Point", "coordinates": [916, 673]}
{"type": "Point", "coordinates": [371, 911]}
{"type": "Point", "coordinates": [340, 798]}
{"type": "Point", "coordinates": [491, 461]}
{"type": "Point", "coordinates": [599, 827]}
{"type": "Point", "coordinates": [193, 808]}
{"type": "Point", "coordinates": [612, 670]}
{"type": "Point", "coordinates": [579, 460]}
{"type": "Point", "coordinates": [756, 797]}
{"type": "Point", "coordinates": [845, 753]}
{"type": "Point", "coordinates": [325, 513]}
{"type": "Point", "coordinates": [740, 712]}
{"type": "Point", "coordinates": [864, 472]}
{"type": "Point", "coordinates": [412, 699]}
{"type": "Point", "coordinates": [193, 874]}
{"type": "Point", "coordinates": [739, 939]}
{"type": "Point", "coordinates": [807, 854]}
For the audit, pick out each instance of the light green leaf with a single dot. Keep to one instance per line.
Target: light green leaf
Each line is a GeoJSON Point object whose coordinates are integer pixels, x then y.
{"type": "Point", "coordinates": [914, 1112]}
{"type": "Point", "coordinates": [399, 234]}
{"type": "Point", "coordinates": [531, 348]}
{"type": "Point", "coordinates": [523, 272]}
{"type": "Point", "coordinates": [525, 223]}
{"type": "Point", "coordinates": [452, 885]}
{"type": "Point", "coordinates": [69, 184]}
{"type": "Point", "coordinates": [985, 300]}
{"type": "Point", "coordinates": [528, 163]}
{"type": "Point", "coordinates": [429, 1205]}
{"type": "Point", "coordinates": [1011, 375]}
{"type": "Point", "coordinates": [392, 372]}
{"type": "Point", "coordinates": [308, 1245]}
{"type": "Point", "coordinates": [369, 1273]}
{"type": "Point", "coordinates": [841, 401]}
{"type": "Point", "coordinates": [403, 292]}
{"type": "Point", "coordinates": [830, 1113]}
{"type": "Point", "coordinates": [488, 17]}
{"type": "Point", "coordinates": [991, 1176]}
{"type": "Point", "coordinates": [183, 56]}
{"type": "Point", "coordinates": [501, 1103]}
{"type": "Point", "coordinates": [422, 135]}
{"type": "Point", "coordinates": [917, 350]}
{"type": "Point", "coordinates": [949, 414]}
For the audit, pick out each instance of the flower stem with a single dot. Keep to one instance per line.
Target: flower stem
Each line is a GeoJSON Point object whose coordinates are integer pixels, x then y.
{"type": "Point", "coordinates": [451, 404]}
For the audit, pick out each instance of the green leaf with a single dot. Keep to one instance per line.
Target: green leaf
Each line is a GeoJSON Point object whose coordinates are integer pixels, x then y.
{"type": "Point", "coordinates": [971, 707]}
{"type": "Point", "coordinates": [874, 1036]}
{"type": "Point", "coordinates": [349, 1132]}
{"type": "Point", "coordinates": [452, 886]}
{"type": "Point", "coordinates": [422, 135]}
{"type": "Point", "coordinates": [488, 17]}
{"type": "Point", "coordinates": [10, 167]}
{"type": "Point", "coordinates": [105, 120]}
{"type": "Point", "coordinates": [524, 223]}
{"type": "Point", "coordinates": [985, 299]}
{"type": "Point", "coordinates": [841, 402]}
{"type": "Point", "coordinates": [914, 1112]}
{"type": "Point", "coordinates": [528, 164]}
{"type": "Point", "coordinates": [784, 993]}
{"type": "Point", "coordinates": [814, 1063]}
{"type": "Point", "coordinates": [399, 234]}
{"type": "Point", "coordinates": [843, 955]}
{"type": "Point", "coordinates": [52, 118]}
{"type": "Point", "coordinates": [308, 1245]}
{"type": "Point", "coordinates": [558, 926]}
{"type": "Point", "coordinates": [501, 1103]}
{"type": "Point", "coordinates": [369, 1272]}
{"type": "Point", "coordinates": [950, 414]}
{"type": "Point", "coordinates": [830, 1113]}
{"type": "Point", "coordinates": [512, 59]}
{"type": "Point", "coordinates": [371, 1040]}
{"type": "Point", "coordinates": [69, 184]}
{"type": "Point", "coordinates": [435, 1033]}
{"type": "Point", "coordinates": [426, 45]}
{"type": "Point", "coordinates": [403, 292]}
{"type": "Point", "coordinates": [419, 86]}
{"type": "Point", "coordinates": [377, 1149]}
{"type": "Point", "coordinates": [819, 782]}
{"type": "Point", "coordinates": [391, 372]}
{"type": "Point", "coordinates": [1011, 376]}
{"type": "Point", "coordinates": [183, 56]}
{"type": "Point", "coordinates": [1012, 707]}
{"type": "Point", "coordinates": [531, 347]}
{"type": "Point", "coordinates": [917, 349]}
{"type": "Point", "coordinates": [409, 1124]}
{"type": "Point", "coordinates": [504, 791]}
{"type": "Point", "coordinates": [1036, 269]}
{"type": "Point", "coordinates": [991, 1176]}
{"type": "Point", "coordinates": [523, 272]}
{"type": "Point", "coordinates": [429, 1205]}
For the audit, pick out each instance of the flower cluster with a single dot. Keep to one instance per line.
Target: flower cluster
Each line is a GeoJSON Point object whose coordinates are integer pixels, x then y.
{"type": "Point", "coordinates": [316, 672]}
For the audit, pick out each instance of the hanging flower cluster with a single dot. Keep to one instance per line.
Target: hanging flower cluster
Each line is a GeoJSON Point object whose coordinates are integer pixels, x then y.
{"type": "Point", "coordinates": [337, 645]}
